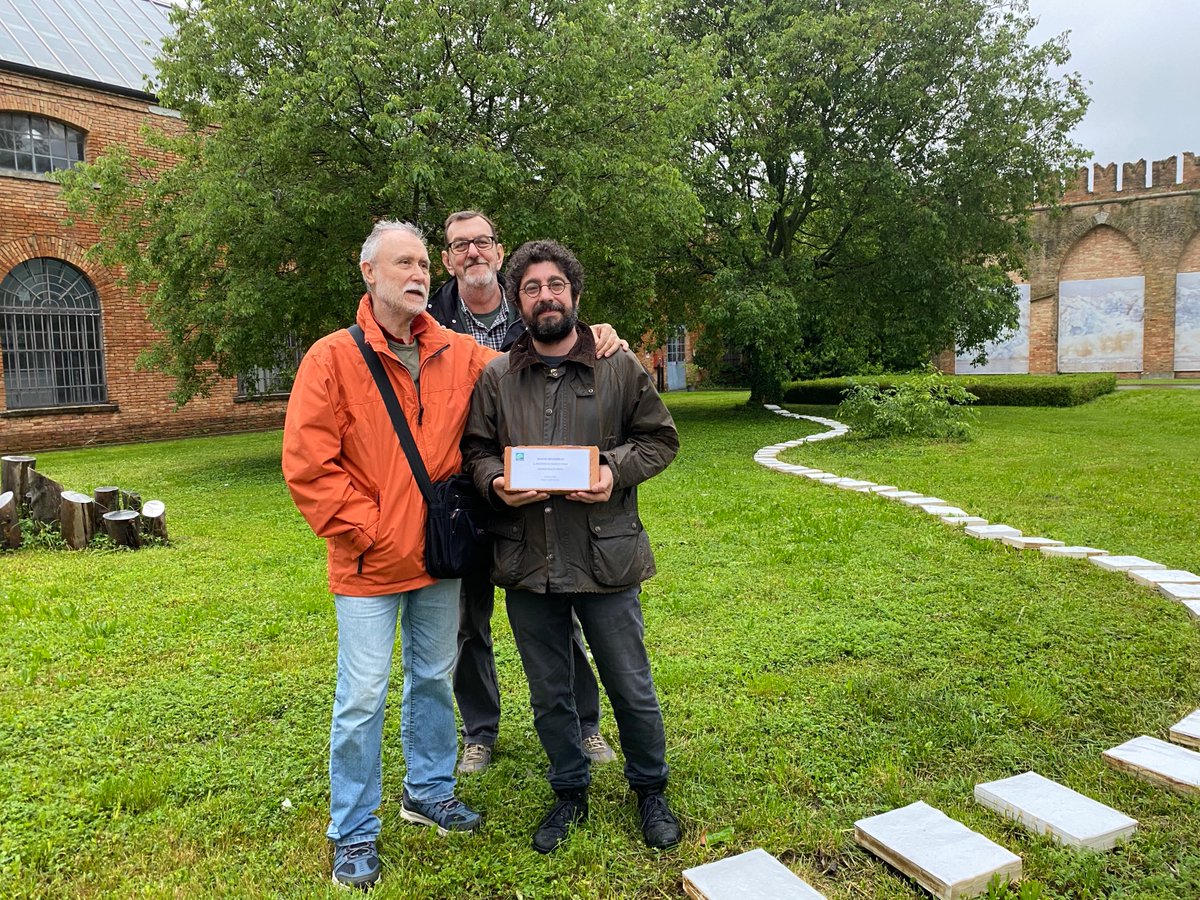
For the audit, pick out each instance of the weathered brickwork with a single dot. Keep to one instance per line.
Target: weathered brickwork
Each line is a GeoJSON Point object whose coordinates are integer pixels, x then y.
{"type": "Point", "coordinates": [32, 217]}
{"type": "Point", "coordinates": [1150, 231]}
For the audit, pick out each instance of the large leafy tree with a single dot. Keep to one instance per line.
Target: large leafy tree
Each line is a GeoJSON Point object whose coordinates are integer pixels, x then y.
{"type": "Point", "coordinates": [307, 119]}
{"type": "Point", "coordinates": [868, 177]}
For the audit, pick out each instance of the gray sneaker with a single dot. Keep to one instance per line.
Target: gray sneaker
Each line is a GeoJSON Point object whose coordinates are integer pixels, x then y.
{"type": "Point", "coordinates": [356, 865]}
{"type": "Point", "coordinates": [447, 815]}
{"type": "Point", "coordinates": [475, 758]}
{"type": "Point", "coordinates": [596, 748]}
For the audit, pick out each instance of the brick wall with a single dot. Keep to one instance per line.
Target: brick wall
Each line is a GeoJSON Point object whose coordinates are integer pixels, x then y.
{"type": "Point", "coordinates": [32, 225]}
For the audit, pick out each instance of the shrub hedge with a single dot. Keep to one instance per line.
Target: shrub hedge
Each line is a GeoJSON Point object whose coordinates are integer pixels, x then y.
{"type": "Point", "coordinates": [991, 390]}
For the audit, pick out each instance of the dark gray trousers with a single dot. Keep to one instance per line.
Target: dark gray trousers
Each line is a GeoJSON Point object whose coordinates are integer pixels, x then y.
{"type": "Point", "coordinates": [613, 626]}
{"type": "Point", "coordinates": [476, 687]}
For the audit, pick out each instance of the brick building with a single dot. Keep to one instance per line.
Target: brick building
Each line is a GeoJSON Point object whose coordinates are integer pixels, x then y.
{"type": "Point", "coordinates": [1114, 278]}
{"type": "Point", "coordinates": [72, 82]}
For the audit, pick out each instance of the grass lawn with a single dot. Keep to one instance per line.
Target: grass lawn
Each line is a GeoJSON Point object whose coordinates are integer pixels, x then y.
{"type": "Point", "coordinates": [820, 655]}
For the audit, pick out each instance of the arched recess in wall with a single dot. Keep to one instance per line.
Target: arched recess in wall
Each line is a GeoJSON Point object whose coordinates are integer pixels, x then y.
{"type": "Point", "coordinates": [52, 347]}
{"type": "Point", "coordinates": [1187, 308]}
{"type": "Point", "coordinates": [1101, 302]}
{"type": "Point", "coordinates": [1008, 354]}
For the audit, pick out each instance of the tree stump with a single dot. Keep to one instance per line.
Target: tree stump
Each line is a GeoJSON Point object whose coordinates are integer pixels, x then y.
{"type": "Point", "coordinates": [14, 477]}
{"type": "Point", "coordinates": [76, 519]}
{"type": "Point", "coordinates": [131, 500]}
{"type": "Point", "coordinates": [122, 527]}
{"type": "Point", "coordinates": [106, 499]}
{"type": "Point", "coordinates": [45, 497]}
{"type": "Point", "coordinates": [154, 519]}
{"type": "Point", "coordinates": [10, 525]}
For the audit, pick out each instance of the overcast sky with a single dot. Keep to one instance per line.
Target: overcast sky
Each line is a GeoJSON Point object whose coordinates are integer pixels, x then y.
{"type": "Point", "coordinates": [1140, 57]}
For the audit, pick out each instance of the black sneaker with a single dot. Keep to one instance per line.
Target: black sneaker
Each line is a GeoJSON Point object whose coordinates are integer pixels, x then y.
{"type": "Point", "coordinates": [356, 865]}
{"type": "Point", "coordinates": [660, 828]}
{"type": "Point", "coordinates": [569, 809]}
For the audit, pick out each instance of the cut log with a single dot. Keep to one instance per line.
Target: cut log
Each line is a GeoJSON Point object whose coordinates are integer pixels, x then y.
{"type": "Point", "coordinates": [14, 477]}
{"type": "Point", "coordinates": [122, 527]}
{"type": "Point", "coordinates": [131, 500]}
{"type": "Point", "coordinates": [76, 519]}
{"type": "Point", "coordinates": [10, 524]}
{"type": "Point", "coordinates": [107, 498]}
{"type": "Point", "coordinates": [154, 519]}
{"type": "Point", "coordinates": [45, 497]}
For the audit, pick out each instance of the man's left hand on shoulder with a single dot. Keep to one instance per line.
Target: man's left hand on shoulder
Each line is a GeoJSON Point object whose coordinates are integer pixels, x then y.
{"type": "Point", "coordinates": [600, 492]}
{"type": "Point", "coordinates": [608, 341]}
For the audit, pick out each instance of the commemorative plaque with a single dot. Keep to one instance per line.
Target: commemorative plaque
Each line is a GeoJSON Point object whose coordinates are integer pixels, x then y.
{"type": "Point", "coordinates": [556, 470]}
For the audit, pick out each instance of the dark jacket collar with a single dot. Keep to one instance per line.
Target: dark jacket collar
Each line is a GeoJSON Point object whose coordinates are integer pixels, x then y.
{"type": "Point", "coordinates": [522, 355]}
{"type": "Point", "coordinates": [445, 307]}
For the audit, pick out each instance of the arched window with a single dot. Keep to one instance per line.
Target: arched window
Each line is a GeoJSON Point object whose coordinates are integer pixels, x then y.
{"type": "Point", "coordinates": [36, 144]}
{"type": "Point", "coordinates": [50, 334]}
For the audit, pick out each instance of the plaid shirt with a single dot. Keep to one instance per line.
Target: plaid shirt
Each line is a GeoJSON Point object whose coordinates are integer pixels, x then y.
{"type": "Point", "coordinates": [488, 337]}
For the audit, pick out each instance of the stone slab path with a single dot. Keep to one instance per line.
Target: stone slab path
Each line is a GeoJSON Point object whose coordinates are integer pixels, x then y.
{"type": "Point", "coordinates": [1046, 807]}
{"type": "Point", "coordinates": [942, 855]}
{"type": "Point", "coordinates": [748, 875]}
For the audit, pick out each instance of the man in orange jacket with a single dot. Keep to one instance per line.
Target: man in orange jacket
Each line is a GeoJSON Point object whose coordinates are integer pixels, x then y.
{"type": "Point", "coordinates": [351, 481]}
{"type": "Point", "coordinates": [348, 476]}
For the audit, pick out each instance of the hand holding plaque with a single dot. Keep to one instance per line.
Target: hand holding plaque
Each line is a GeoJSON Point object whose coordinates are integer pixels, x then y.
{"type": "Point", "coordinates": [551, 469]}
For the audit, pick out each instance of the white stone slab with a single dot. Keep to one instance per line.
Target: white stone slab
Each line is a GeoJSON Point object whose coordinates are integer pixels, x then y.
{"type": "Point", "coordinates": [881, 488]}
{"type": "Point", "coordinates": [1023, 542]}
{"type": "Point", "coordinates": [1155, 577]}
{"type": "Point", "coordinates": [1073, 552]}
{"type": "Point", "coordinates": [1187, 730]}
{"type": "Point", "coordinates": [1124, 563]}
{"type": "Point", "coordinates": [941, 509]}
{"type": "Point", "coordinates": [944, 856]}
{"type": "Point", "coordinates": [898, 495]}
{"type": "Point", "coordinates": [815, 474]}
{"type": "Point", "coordinates": [992, 532]}
{"type": "Point", "coordinates": [960, 521]}
{"type": "Point", "coordinates": [1193, 606]}
{"type": "Point", "coordinates": [828, 476]}
{"type": "Point", "coordinates": [1046, 807]}
{"type": "Point", "coordinates": [746, 876]}
{"type": "Point", "coordinates": [920, 500]}
{"type": "Point", "coordinates": [853, 484]}
{"type": "Point", "coordinates": [1182, 592]}
{"type": "Point", "coordinates": [1157, 761]}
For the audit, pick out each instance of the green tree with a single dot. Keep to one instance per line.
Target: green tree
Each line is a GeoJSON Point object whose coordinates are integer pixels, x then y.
{"type": "Point", "coordinates": [307, 119]}
{"type": "Point", "coordinates": [872, 166]}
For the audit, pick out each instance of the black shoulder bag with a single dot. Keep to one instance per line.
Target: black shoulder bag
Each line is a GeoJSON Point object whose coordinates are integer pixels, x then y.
{"type": "Point", "coordinates": [457, 542]}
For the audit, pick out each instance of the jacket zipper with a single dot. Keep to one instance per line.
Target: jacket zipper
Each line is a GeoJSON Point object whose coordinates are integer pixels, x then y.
{"type": "Point", "coordinates": [420, 369]}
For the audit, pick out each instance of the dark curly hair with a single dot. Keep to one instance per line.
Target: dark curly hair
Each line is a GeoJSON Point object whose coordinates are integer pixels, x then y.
{"type": "Point", "coordinates": [543, 251]}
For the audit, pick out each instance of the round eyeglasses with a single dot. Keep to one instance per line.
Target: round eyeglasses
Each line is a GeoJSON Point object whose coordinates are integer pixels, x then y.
{"type": "Point", "coordinates": [532, 289]}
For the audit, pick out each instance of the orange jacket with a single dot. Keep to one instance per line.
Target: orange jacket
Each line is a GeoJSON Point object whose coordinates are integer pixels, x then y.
{"type": "Point", "coordinates": [343, 462]}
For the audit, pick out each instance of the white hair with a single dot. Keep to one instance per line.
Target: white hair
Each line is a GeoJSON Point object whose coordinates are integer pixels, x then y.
{"type": "Point", "coordinates": [382, 227]}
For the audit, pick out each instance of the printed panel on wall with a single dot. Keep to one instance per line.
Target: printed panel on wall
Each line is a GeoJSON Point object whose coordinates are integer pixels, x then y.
{"type": "Point", "coordinates": [1009, 353]}
{"type": "Point", "coordinates": [1100, 324]}
{"type": "Point", "coordinates": [1187, 322]}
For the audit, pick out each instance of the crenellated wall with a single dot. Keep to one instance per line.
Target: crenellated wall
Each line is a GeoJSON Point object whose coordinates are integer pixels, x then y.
{"type": "Point", "coordinates": [1105, 268]}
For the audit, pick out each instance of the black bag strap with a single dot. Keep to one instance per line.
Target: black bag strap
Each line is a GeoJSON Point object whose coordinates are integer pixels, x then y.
{"type": "Point", "coordinates": [392, 404]}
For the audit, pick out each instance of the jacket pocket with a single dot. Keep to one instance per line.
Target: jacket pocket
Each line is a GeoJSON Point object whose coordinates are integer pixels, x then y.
{"type": "Point", "coordinates": [508, 549]}
{"type": "Point", "coordinates": [620, 549]}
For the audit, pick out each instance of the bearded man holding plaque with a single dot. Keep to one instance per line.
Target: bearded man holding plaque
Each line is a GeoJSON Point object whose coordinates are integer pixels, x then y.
{"type": "Point", "coordinates": [561, 546]}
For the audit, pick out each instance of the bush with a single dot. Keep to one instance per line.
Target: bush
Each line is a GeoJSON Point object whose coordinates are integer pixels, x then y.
{"type": "Point", "coordinates": [990, 390]}
{"type": "Point", "coordinates": [929, 405]}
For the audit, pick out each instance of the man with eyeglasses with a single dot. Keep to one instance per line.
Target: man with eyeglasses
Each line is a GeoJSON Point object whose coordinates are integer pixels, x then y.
{"type": "Point", "coordinates": [473, 302]}
{"type": "Point", "coordinates": [582, 553]}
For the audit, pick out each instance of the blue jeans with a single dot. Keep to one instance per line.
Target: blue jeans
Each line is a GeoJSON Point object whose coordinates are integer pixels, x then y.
{"type": "Point", "coordinates": [366, 634]}
{"type": "Point", "coordinates": [612, 623]}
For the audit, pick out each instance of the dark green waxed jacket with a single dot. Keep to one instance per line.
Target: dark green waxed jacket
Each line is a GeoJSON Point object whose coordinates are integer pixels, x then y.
{"type": "Point", "coordinates": [560, 545]}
